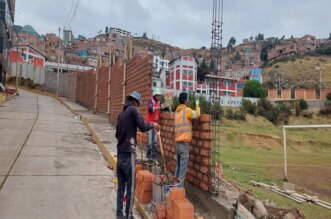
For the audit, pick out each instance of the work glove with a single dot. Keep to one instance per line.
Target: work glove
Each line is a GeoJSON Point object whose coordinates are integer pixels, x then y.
{"type": "Point", "coordinates": [197, 102]}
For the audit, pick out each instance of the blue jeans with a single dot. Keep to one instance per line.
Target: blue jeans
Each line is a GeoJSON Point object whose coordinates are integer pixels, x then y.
{"type": "Point", "coordinates": [126, 177]}
{"type": "Point", "coordinates": [182, 150]}
{"type": "Point", "coordinates": [151, 151]}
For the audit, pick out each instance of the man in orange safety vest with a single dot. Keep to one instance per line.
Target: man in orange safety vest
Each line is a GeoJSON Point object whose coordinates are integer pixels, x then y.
{"type": "Point", "coordinates": [183, 131]}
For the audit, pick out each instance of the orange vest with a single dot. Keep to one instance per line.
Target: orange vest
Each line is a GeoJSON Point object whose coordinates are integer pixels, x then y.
{"type": "Point", "coordinates": [183, 127]}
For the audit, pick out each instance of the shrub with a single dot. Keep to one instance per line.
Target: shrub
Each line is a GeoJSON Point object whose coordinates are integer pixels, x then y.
{"type": "Point", "coordinates": [297, 109]}
{"type": "Point", "coordinates": [249, 107]}
{"type": "Point", "coordinates": [307, 114]}
{"type": "Point", "coordinates": [240, 115]}
{"type": "Point", "coordinates": [328, 96]}
{"type": "Point", "coordinates": [217, 111]}
{"type": "Point", "coordinates": [303, 104]}
{"type": "Point", "coordinates": [284, 113]}
{"type": "Point", "coordinates": [175, 103]}
{"type": "Point", "coordinates": [264, 106]}
{"type": "Point", "coordinates": [229, 114]}
{"type": "Point", "coordinates": [254, 89]}
{"type": "Point", "coordinates": [272, 116]}
{"type": "Point", "coordinates": [326, 110]}
{"type": "Point", "coordinates": [235, 114]}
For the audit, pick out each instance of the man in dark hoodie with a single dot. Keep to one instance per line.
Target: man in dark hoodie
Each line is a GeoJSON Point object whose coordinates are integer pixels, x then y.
{"type": "Point", "coordinates": [126, 134]}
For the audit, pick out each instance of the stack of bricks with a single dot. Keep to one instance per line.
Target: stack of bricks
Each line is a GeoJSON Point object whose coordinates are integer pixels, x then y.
{"type": "Point", "coordinates": [198, 170]}
{"type": "Point", "coordinates": [144, 186]}
{"type": "Point", "coordinates": [178, 207]}
{"type": "Point", "coordinates": [160, 211]}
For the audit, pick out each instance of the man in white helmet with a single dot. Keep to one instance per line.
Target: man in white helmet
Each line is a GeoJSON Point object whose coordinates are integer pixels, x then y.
{"type": "Point", "coordinates": [153, 116]}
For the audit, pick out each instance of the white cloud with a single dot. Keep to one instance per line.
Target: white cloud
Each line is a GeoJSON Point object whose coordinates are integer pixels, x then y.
{"type": "Point", "coordinates": [184, 23]}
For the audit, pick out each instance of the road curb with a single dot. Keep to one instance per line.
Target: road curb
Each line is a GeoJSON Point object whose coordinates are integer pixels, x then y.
{"type": "Point", "coordinates": [111, 160]}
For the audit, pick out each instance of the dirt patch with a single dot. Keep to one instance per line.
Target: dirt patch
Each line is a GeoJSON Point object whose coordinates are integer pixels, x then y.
{"type": "Point", "coordinates": [248, 202]}
{"type": "Point", "coordinates": [279, 213]}
{"type": "Point", "coordinates": [261, 141]}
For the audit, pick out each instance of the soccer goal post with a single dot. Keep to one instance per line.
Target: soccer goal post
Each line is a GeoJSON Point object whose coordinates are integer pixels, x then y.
{"type": "Point", "coordinates": [296, 127]}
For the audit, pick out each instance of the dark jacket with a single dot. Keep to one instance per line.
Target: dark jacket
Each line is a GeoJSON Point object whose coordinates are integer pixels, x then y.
{"type": "Point", "coordinates": [126, 130]}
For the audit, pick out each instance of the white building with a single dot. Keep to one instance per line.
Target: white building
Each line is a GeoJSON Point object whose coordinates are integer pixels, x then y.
{"type": "Point", "coordinates": [183, 74]}
{"type": "Point", "coordinates": [119, 31]}
{"type": "Point", "coordinates": [160, 71]}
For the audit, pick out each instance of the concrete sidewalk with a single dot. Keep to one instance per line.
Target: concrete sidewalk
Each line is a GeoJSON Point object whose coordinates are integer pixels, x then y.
{"type": "Point", "coordinates": [48, 164]}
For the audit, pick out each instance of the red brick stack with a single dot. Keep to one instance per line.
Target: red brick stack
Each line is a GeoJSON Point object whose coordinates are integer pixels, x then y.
{"type": "Point", "coordinates": [200, 149]}
{"type": "Point", "coordinates": [177, 207]}
{"type": "Point", "coordinates": [144, 186]}
{"type": "Point", "coordinates": [160, 211]}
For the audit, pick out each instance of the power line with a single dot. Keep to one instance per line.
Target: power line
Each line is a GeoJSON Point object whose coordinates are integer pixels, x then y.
{"type": "Point", "coordinates": [70, 12]}
{"type": "Point", "coordinates": [74, 14]}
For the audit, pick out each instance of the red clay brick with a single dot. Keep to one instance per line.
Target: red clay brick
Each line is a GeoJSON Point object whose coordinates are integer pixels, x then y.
{"type": "Point", "coordinates": [204, 169]}
{"type": "Point", "coordinates": [207, 144]}
{"type": "Point", "coordinates": [204, 186]}
{"type": "Point", "coordinates": [205, 152]}
{"type": "Point", "coordinates": [206, 126]}
{"type": "Point", "coordinates": [205, 118]}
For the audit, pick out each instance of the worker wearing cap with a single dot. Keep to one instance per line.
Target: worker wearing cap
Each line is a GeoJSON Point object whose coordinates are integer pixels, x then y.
{"type": "Point", "coordinates": [153, 115]}
{"type": "Point", "coordinates": [126, 134]}
{"type": "Point", "coordinates": [183, 132]}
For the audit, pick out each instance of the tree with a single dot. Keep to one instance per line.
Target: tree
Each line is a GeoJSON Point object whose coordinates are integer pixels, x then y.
{"type": "Point", "coordinates": [145, 35]}
{"type": "Point", "coordinates": [330, 36]}
{"type": "Point", "coordinates": [204, 65]}
{"type": "Point", "coordinates": [237, 57]}
{"type": "Point", "coordinates": [202, 70]}
{"type": "Point", "coordinates": [264, 54]}
{"type": "Point", "coordinates": [106, 30]}
{"type": "Point", "coordinates": [212, 65]}
{"type": "Point", "coordinates": [163, 52]}
{"type": "Point", "coordinates": [251, 38]}
{"type": "Point", "coordinates": [259, 37]}
{"type": "Point", "coordinates": [254, 89]}
{"type": "Point", "coordinates": [303, 104]}
{"type": "Point", "coordinates": [231, 44]}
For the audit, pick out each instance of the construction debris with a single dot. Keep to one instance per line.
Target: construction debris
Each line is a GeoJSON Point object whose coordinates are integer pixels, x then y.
{"type": "Point", "coordinates": [294, 195]}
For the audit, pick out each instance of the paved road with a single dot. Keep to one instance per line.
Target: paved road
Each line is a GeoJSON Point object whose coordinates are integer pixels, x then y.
{"type": "Point", "coordinates": [48, 166]}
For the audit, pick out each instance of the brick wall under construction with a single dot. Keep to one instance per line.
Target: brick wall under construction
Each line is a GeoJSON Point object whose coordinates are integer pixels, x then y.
{"type": "Point", "coordinates": [85, 89]}
{"type": "Point", "coordinates": [198, 170]}
{"type": "Point", "coordinates": [103, 86]}
{"type": "Point", "coordinates": [138, 78]}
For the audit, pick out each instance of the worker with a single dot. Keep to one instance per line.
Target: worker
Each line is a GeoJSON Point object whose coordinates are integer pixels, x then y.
{"type": "Point", "coordinates": [183, 133]}
{"type": "Point", "coordinates": [154, 107]}
{"type": "Point", "coordinates": [126, 134]}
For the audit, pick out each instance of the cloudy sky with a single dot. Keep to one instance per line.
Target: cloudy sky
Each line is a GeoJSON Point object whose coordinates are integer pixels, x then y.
{"type": "Point", "coordinates": [183, 23]}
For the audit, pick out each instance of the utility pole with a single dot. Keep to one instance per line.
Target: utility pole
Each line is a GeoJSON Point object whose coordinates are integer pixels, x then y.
{"type": "Point", "coordinates": [58, 64]}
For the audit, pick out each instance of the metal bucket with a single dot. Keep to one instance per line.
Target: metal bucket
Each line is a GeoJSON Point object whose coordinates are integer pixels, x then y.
{"type": "Point", "coordinates": [146, 164]}
{"type": "Point", "coordinates": [160, 190]}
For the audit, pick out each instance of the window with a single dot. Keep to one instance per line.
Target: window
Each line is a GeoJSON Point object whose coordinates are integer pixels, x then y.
{"type": "Point", "coordinates": [190, 72]}
{"type": "Point", "coordinates": [185, 71]}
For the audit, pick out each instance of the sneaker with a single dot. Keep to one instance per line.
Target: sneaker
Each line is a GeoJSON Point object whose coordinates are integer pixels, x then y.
{"type": "Point", "coordinates": [155, 161]}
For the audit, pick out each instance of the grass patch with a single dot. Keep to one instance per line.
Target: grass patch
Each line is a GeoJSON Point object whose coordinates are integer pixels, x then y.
{"type": "Point", "coordinates": [253, 150]}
